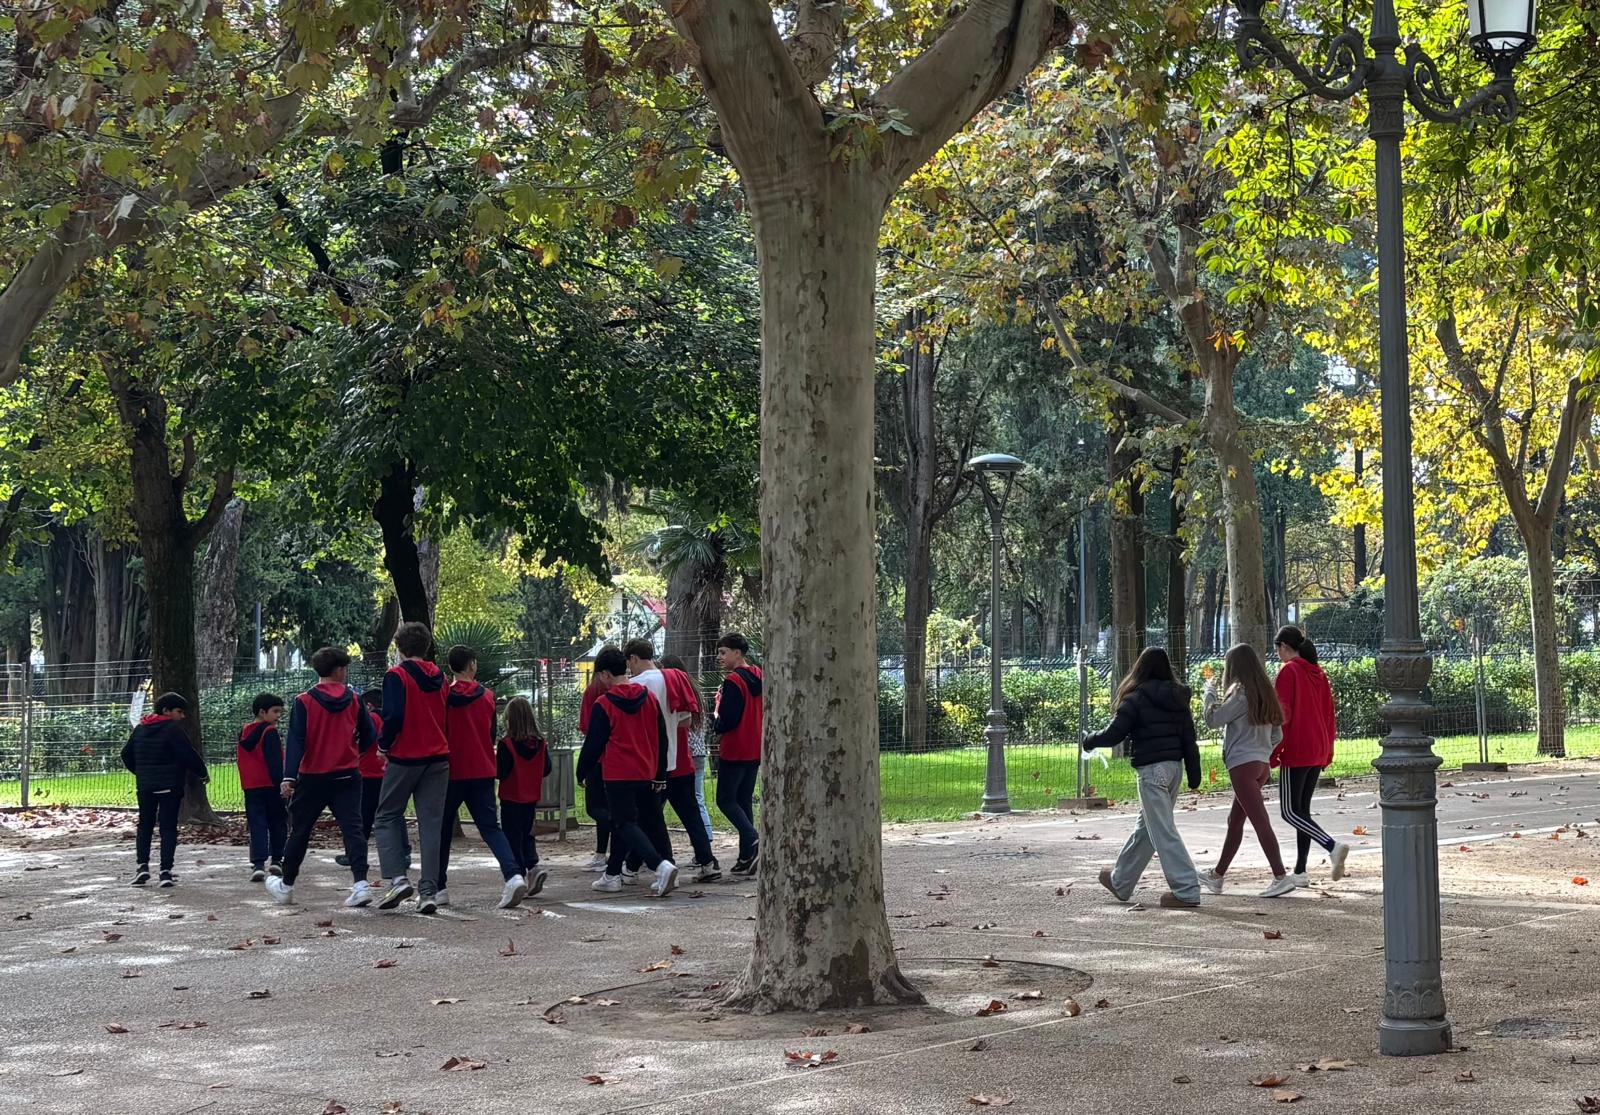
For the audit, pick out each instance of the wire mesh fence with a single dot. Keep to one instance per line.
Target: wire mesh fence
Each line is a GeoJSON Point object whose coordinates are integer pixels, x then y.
{"type": "Point", "coordinates": [62, 727]}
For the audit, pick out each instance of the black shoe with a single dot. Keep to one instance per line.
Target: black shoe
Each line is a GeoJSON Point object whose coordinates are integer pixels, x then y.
{"type": "Point", "coordinates": [167, 879]}
{"type": "Point", "coordinates": [141, 876]}
{"type": "Point", "coordinates": [275, 868]}
{"type": "Point", "coordinates": [742, 866]}
{"type": "Point", "coordinates": [342, 860]}
{"type": "Point", "coordinates": [257, 873]}
{"type": "Point", "coordinates": [536, 876]}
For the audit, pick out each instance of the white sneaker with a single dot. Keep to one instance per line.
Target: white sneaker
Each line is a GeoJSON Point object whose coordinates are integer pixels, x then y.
{"type": "Point", "coordinates": [597, 862]}
{"type": "Point", "coordinates": [282, 893]}
{"type": "Point", "coordinates": [1299, 878]}
{"type": "Point", "coordinates": [629, 878]}
{"type": "Point", "coordinates": [360, 895]}
{"type": "Point", "coordinates": [609, 884]}
{"type": "Point", "coordinates": [1211, 880]}
{"type": "Point", "coordinates": [1281, 886]}
{"type": "Point", "coordinates": [516, 889]}
{"type": "Point", "coordinates": [442, 897]}
{"type": "Point", "coordinates": [1341, 852]}
{"type": "Point", "coordinates": [666, 879]}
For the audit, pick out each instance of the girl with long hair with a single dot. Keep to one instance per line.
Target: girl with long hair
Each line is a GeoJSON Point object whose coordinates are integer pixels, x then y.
{"type": "Point", "coordinates": [1251, 720]}
{"type": "Point", "coordinates": [1153, 713]}
{"type": "Point", "coordinates": [1307, 747]}
{"type": "Point", "coordinates": [522, 763]}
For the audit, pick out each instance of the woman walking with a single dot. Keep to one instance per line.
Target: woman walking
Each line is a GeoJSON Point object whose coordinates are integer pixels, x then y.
{"type": "Point", "coordinates": [1153, 712]}
{"type": "Point", "coordinates": [1307, 747]}
{"type": "Point", "coordinates": [1251, 721]}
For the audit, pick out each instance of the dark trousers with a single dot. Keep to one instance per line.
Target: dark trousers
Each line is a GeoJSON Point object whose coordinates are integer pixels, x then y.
{"type": "Point", "coordinates": [594, 804]}
{"type": "Point", "coordinates": [635, 814]}
{"type": "Point", "coordinates": [516, 818]}
{"type": "Point", "coordinates": [158, 807]}
{"type": "Point", "coordinates": [681, 796]}
{"type": "Point", "coordinates": [1296, 787]}
{"type": "Point", "coordinates": [268, 822]}
{"type": "Point", "coordinates": [1248, 804]}
{"type": "Point", "coordinates": [340, 794]}
{"type": "Point", "coordinates": [477, 794]}
{"type": "Point", "coordinates": [736, 795]}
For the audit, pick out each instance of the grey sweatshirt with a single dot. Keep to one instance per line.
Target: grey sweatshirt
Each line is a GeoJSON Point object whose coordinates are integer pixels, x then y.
{"type": "Point", "coordinates": [1242, 741]}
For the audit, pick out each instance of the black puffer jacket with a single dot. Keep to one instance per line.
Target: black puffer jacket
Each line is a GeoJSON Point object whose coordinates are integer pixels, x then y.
{"type": "Point", "coordinates": [1157, 718]}
{"type": "Point", "coordinates": [160, 755]}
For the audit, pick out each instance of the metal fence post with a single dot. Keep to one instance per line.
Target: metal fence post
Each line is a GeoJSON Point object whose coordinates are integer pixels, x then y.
{"type": "Point", "coordinates": [27, 727]}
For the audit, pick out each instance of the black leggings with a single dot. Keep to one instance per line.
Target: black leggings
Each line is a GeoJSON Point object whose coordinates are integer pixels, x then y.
{"type": "Point", "coordinates": [516, 818]}
{"type": "Point", "coordinates": [635, 821]}
{"type": "Point", "coordinates": [158, 808]}
{"type": "Point", "coordinates": [1296, 787]}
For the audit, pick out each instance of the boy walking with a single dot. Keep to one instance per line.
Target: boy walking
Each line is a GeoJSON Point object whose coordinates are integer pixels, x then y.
{"type": "Point", "coordinates": [469, 720]}
{"type": "Point", "coordinates": [418, 770]}
{"type": "Point", "coordinates": [371, 768]}
{"type": "Point", "coordinates": [161, 758]}
{"type": "Point", "coordinates": [738, 726]}
{"type": "Point", "coordinates": [328, 730]}
{"type": "Point", "coordinates": [260, 757]}
{"type": "Point", "coordinates": [627, 744]}
{"type": "Point", "coordinates": [594, 791]}
{"type": "Point", "coordinates": [675, 695]}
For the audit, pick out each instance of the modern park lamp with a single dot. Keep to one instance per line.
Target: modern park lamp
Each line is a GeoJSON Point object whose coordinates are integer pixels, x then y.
{"type": "Point", "coordinates": [995, 473]}
{"type": "Point", "coordinates": [1501, 34]}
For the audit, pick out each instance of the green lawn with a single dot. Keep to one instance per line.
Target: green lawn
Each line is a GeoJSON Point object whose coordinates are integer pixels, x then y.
{"type": "Point", "coordinates": [932, 785]}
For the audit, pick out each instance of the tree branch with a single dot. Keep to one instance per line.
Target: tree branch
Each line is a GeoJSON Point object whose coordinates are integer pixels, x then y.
{"type": "Point", "coordinates": [221, 496]}
{"type": "Point", "coordinates": [1074, 355]}
{"type": "Point", "coordinates": [1487, 428]}
{"type": "Point", "coordinates": [1575, 414]}
{"type": "Point", "coordinates": [981, 55]}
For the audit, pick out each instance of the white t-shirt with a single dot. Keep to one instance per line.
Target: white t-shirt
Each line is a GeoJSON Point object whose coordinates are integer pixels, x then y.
{"type": "Point", "coordinates": [656, 682]}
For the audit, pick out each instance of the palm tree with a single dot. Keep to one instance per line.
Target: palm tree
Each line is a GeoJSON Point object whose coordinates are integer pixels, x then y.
{"type": "Point", "coordinates": [700, 556]}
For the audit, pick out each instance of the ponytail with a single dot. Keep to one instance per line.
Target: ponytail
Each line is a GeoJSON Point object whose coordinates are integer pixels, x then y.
{"type": "Point", "coordinates": [1295, 639]}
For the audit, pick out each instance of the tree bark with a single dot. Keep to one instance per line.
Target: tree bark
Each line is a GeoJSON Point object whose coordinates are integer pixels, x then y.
{"type": "Point", "coordinates": [395, 512]}
{"type": "Point", "coordinates": [1208, 615]}
{"type": "Point", "coordinates": [67, 616]}
{"type": "Point", "coordinates": [1128, 613]}
{"type": "Point", "coordinates": [1248, 619]}
{"type": "Point", "coordinates": [217, 636]}
{"type": "Point", "coordinates": [375, 649]}
{"type": "Point", "coordinates": [1548, 691]}
{"type": "Point", "coordinates": [1177, 575]}
{"type": "Point", "coordinates": [918, 383]}
{"type": "Point", "coordinates": [1089, 584]}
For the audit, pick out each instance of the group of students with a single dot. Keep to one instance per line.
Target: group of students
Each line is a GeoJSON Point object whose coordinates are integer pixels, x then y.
{"type": "Point", "coordinates": [428, 740]}
{"type": "Point", "coordinates": [1287, 724]}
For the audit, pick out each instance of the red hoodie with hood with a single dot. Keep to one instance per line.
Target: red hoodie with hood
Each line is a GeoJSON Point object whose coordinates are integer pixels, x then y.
{"type": "Point", "coordinates": [1308, 716]}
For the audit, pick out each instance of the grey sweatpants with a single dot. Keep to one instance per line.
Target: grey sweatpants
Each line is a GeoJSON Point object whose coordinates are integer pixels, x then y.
{"type": "Point", "coordinates": [1156, 833]}
{"type": "Point", "coordinates": [426, 785]}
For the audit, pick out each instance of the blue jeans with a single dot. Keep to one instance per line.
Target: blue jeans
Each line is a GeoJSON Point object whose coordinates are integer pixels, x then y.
{"type": "Point", "coordinates": [268, 822]}
{"type": "Point", "coordinates": [1156, 833]}
{"type": "Point", "coordinates": [700, 764]}
{"type": "Point", "coordinates": [477, 794]}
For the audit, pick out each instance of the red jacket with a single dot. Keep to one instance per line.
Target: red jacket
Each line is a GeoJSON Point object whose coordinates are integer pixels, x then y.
{"type": "Point", "coordinates": [260, 756]}
{"type": "Point", "coordinates": [413, 713]}
{"type": "Point", "coordinates": [523, 765]}
{"type": "Point", "coordinates": [1308, 720]}
{"type": "Point", "coordinates": [681, 697]}
{"type": "Point", "coordinates": [328, 730]}
{"type": "Point", "coordinates": [469, 726]}
{"type": "Point", "coordinates": [739, 715]}
{"type": "Point", "coordinates": [626, 739]}
{"type": "Point", "coordinates": [372, 760]}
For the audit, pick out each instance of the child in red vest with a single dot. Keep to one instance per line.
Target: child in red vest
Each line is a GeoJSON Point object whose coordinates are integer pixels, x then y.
{"type": "Point", "coordinates": [469, 717]}
{"type": "Point", "coordinates": [418, 769]}
{"type": "Point", "coordinates": [260, 757]}
{"type": "Point", "coordinates": [328, 730]}
{"type": "Point", "coordinates": [594, 791]}
{"type": "Point", "coordinates": [627, 744]}
{"type": "Point", "coordinates": [523, 761]}
{"type": "Point", "coordinates": [738, 726]}
{"type": "Point", "coordinates": [675, 694]}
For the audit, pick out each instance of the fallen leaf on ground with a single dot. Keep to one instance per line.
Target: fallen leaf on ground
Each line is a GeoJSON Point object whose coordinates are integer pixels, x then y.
{"type": "Point", "coordinates": [67, 951]}
{"type": "Point", "coordinates": [659, 965]}
{"type": "Point", "coordinates": [978, 1046]}
{"type": "Point", "coordinates": [1465, 1077]}
{"type": "Point", "coordinates": [335, 1108]}
{"type": "Point", "coordinates": [115, 1028]}
{"type": "Point", "coordinates": [1465, 848]}
{"type": "Point", "coordinates": [391, 1108]}
{"type": "Point", "coordinates": [1029, 995]}
{"type": "Point", "coordinates": [936, 925]}
{"type": "Point", "coordinates": [406, 945]}
{"type": "Point", "coordinates": [677, 951]}
{"type": "Point", "coordinates": [1272, 934]}
{"type": "Point", "coordinates": [858, 1028]}
{"type": "Point", "coordinates": [594, 1078]}
{"type": "Point", "coordinates": [608, 1002]}
{"type": "Point", "coordinates": [807, 1059]}
{"type": "Point", "coordinates": [989, 962]}
{"type": "Point", "coordinates": [247, 943]}
{"type": "Point", "coordinates": [1091, 836]}
{"type": "Point", "coordinates": [193, 1025]}
{"type": "Point", "coordinates": [1102, 1004]}
{"type": "Point", "coordinates": [1359, 830]}
{"type": "Point", "coordinates": [1062, 892]}
{"type": "Point", "coordinates": [264, 993]}
{"type": "Point", "coordinates": [1072, 1008]}
{"type": "Point", "coordinates": [995, 1007]}
{"type": "Point", "coordinates": [462, 1064]}
{"type": "Point", "coordinates": [510, 949]}
{"type": "Point", "coordinates": [211, 917]}
{"type": "Point", "coordinates": [1271, 1080]}
{"type": "Point", "coordinates": [1040, 933]}
{"type": "Point", "coordinates": [817, 1032]}
{"type": "Point", "coordinates": [1287, 1095]}
{"type": "Point", "coordinates": [1516, 836]}
{"type": "Point", "coordinates": [445, 1002]}
{"type": "Point", "coordinates": [110, 937]}
{"type": "Point", "coordinates": [711, 986]}
{"type": "Point", "coordinates": [384, 963]}
{"type": "Point", "coordinates": [1182, 1080]}
{"type": "Point", "coordinates": [65, 1072]}
{"type": "Point", "coordinates": [1589, 1105]}
{"type": "Point", "coordinates": [982, 1100]}
{"type": "Point", "coordinates": [1327, 1064]}
{"type": "Point", "coordinates": [984, 925]}
{"type": "Point", "coordinates": [576, 1000]}
{"type": "Point", "coordinates": [325, 923]}
{"type": "Point", "coordinates": [1579, 881]}
{"type": "Point", "coordinates": [271, 940]}
{"type": "Point", "coordinates": [131, 973]}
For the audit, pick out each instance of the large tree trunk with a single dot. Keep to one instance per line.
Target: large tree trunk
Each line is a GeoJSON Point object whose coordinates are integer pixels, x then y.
{"type": "Point", "coordinates": [1550, 698]}
{"type": "Point", "coordinates": [67, 616]}
{"type": "Point", "coordinates": [1248, 618]}
{"type": "Point", "coordinates": [395, 512]}
{"type": "Point", "coordinates": [1089, 584]}
{"type": "Point", "coordinates": [1128, 613]}
{"type": "Point", "coordinates": [375, 648]}
{"type": "Point", "coordinates": [822, 936]}
{"type": "Point", "coordinates": [217, 635]}
{"type": "Point", "coordinates": [917, 386]}
{"type": "Point", "coordinates": [683, 629]}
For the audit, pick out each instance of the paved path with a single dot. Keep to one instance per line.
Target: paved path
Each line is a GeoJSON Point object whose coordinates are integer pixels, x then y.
{"type": "Point", "coordinates": [1183, 1011]}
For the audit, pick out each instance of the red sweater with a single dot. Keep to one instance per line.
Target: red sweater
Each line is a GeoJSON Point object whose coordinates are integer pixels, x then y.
{"type": "Point", "coordinates": [1308, 723]}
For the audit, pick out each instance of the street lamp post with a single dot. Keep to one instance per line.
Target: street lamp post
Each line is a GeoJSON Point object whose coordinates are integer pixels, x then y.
{"type": "Point", "coordinates": [994, 474]}
{"type": "Point", "coordinates": [1501, 31]}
